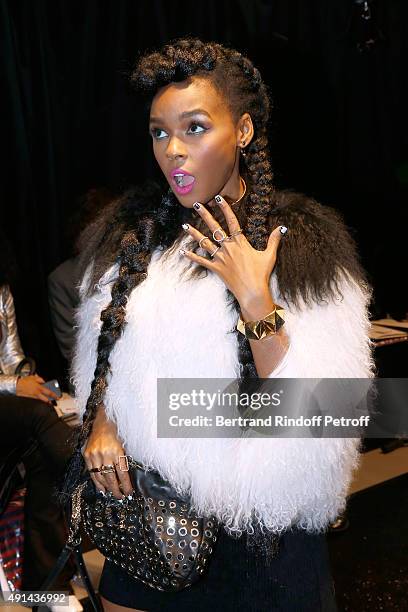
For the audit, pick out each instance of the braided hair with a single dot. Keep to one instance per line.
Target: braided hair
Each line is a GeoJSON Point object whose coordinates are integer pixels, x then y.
{"type": "Point", "coordinates": [139, 221]}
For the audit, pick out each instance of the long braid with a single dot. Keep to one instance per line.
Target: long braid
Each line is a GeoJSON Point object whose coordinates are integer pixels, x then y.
{"type": "Point", "coordinates": [134, 257]}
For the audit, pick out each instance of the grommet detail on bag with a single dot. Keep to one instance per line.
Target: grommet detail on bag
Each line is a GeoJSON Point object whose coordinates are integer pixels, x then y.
{"type": "Point", "coordinates": [193, 544]}
{"type": "Point", "coordinates": [183, 522]}
{"type": "Point", "coordinates": [182, 531]}
{"type": "Point", "coordinates": [194, 533]}
{"type": "Point", "coordinates": [169, 555]}
{"type": "Point", "coordinates": [170, 543]}
{"type": "Point", "coordinates": [172, 504]}
{"type": "Point", "coordinates": [171, 531]}
{"type": "Point", "coordinates": [182, 543]}
{"type": "Point", "coordinates": [194, 523]}
{"type": "Point", "coordinates": [159, 519]}
{"type": "Point", "coordinates": [161, 503]}
{"type": "Point", "coordinates": [208, 533]}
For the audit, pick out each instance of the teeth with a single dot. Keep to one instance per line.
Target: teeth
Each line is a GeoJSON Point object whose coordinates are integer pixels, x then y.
{"type": "Point", "coordinates": [183, 180]}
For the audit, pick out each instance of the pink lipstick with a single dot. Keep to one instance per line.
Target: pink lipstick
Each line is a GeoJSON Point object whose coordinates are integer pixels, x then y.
{"type": "Point", "coordinates": [183, 181]}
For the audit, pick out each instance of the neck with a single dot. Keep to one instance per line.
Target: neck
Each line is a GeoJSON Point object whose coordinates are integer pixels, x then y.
{"type": "Point", "coordinates": [236, 193]}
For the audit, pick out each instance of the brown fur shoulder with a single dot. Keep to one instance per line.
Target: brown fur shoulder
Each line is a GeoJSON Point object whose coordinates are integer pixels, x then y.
{"type": "Point", "coordinates": [317, 246]}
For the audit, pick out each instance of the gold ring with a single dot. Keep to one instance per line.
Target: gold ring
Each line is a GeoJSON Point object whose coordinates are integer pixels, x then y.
{"type": "Point", "coordinates": [123, 463]}
{"type": "Point", "coordinates": [107, 469]}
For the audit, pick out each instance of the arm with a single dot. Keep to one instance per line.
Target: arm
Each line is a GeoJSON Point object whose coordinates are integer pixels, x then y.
{"type": "Point", "coordinates": [270, 351]}
{"type": "Point", "coordinates": [11, 352]}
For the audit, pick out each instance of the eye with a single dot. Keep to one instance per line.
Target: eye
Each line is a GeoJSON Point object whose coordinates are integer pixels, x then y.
{"type": "Point", "coordinates": [155, 132]}
{"type": "Point", "coordinates": [200, 128]}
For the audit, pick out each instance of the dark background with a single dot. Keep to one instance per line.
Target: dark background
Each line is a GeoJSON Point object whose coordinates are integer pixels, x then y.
{"type": "Point", "coordinates": [70, 122]}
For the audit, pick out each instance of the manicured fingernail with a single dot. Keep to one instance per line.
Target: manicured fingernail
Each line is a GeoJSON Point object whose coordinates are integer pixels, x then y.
{"type": "Point", "coordinates": [283, 229]}
{"type": "Point", "coordinates": [196, 205]}
{"type": "Point", "coordinates": [218, 199]}
{"type": "Point", "coordinates": [182, 252]}
{"type": "Point", "coordinates": [185, 226]}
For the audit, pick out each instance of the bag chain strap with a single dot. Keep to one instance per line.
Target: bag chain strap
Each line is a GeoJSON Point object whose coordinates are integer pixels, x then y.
{"type": "Point", "coordinates": [74, 537]}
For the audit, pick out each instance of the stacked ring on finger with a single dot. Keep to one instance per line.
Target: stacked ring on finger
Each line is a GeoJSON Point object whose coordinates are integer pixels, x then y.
{"type": "Point", "coordinates": [214, 252]}
{"type": "Point", "coordinates": [235, 233]}
{"type": "Point", "coordinates": [201, 240]}
{"type": "Point", "coordinates": [104, 469]}
{"type": "Point", "coordinates": [224, 235]}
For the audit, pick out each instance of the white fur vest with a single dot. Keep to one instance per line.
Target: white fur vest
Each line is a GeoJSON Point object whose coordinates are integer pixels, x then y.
{"type": "Point", "coordinates": [179, 328]}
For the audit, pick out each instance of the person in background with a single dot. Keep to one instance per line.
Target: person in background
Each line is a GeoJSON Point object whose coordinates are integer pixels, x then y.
{"type": "Point", "coordinates": [27, 415]}
{"type": "Point", "coordinates": [63, 295]}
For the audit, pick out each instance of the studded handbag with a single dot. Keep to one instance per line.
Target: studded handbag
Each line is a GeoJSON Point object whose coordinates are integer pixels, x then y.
{"type": "Point", "coordinates": [152, 534]}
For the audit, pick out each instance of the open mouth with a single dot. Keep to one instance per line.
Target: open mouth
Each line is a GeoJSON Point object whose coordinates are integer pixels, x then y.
{"type": "Point", "coordinates": [183, 180]}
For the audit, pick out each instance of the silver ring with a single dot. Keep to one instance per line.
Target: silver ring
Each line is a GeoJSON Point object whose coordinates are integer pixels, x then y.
{"type": "Point", "coordinates": [224, 235]}
{"type": "Point", "coordinates": [201, 240]}
{"type": "Point", "coordinates": [214, 252]}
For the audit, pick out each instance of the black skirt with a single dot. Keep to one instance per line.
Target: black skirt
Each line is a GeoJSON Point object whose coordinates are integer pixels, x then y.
{"type": "Point", "coordinates": [239, 578]}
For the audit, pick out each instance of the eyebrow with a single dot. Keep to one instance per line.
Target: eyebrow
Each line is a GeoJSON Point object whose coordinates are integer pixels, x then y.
{"type": "Point", "coordinates": [185, 115]}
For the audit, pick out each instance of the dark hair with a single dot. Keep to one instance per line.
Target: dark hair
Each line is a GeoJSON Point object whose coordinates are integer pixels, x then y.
{"type": "Point", "coordinates": [136, 223]}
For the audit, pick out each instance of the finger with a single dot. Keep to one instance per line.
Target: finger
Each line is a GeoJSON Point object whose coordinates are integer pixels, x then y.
{"type": "Point", "coordinates": [49, 393]}
{"type": "Point", "coordinates": [208, 219]}
{"type": "Point", "coordinates": [275, 238]}
{"type": "Point", "coordinates": [203, 261]}
{"type": "Point", "coordinates": [230, 217]}
{"type": "Point", "coordinates": [98, 484]}
{"type": "Point", "coordinates": [112, 484]}
{"type": "Point", "coordinates": [206, 243]}
{"type": "Point", "coordinates": [124, 481]}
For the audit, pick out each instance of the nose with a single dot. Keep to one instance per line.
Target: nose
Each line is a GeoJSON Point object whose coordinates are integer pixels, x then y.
{"type": "Point", "coordinates": [175, 149]}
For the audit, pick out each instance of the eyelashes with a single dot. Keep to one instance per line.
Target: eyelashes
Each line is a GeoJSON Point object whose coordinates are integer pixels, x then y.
{"type": "Point", "coordinates": [153, 131]}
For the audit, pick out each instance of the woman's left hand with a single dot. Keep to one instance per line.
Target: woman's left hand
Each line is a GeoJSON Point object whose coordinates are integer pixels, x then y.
{"type": "Point", "coordinates": [244, 270]}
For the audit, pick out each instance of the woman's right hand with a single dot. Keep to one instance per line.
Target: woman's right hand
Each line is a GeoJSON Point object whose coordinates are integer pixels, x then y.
{"type": "Point", "coordinates": [104, 448]}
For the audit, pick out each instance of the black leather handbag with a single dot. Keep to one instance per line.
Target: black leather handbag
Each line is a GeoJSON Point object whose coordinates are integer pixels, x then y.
{"type": "Point", "coordinates": [151, 534]}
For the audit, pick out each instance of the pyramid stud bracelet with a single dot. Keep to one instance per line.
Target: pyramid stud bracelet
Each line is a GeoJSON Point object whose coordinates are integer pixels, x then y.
{"type": "Point", "coordinates": [256, 330]}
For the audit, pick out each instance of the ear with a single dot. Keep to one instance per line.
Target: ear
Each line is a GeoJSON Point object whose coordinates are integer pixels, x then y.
{"type": "Point", "coordinates": [245, 131]}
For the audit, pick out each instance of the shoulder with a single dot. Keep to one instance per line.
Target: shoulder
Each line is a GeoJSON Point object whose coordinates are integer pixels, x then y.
{"type": "Point", "coordinates": [318, 250]}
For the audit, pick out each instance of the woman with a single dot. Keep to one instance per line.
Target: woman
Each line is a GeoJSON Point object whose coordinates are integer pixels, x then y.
{"type": "Point", "coordinates": [160, 299]}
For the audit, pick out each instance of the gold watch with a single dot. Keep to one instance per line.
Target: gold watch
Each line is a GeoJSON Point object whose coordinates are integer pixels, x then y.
{"type": "Point", "coordinates": [256, 330]}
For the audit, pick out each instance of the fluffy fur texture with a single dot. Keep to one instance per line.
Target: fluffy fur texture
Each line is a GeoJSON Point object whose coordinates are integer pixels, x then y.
{"type": "Point", "coordinates": [179, 326]}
